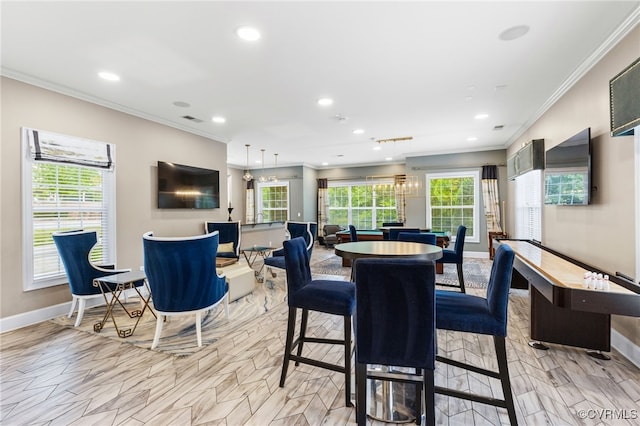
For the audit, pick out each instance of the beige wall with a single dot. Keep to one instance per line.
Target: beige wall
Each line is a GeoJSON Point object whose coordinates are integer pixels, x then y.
{"type": "Point", "coordinates": [603, 233]}
{"type": "Point", "coordinates": [139, 145]}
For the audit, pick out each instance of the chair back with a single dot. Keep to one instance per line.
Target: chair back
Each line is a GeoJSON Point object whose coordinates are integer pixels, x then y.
{"type": "Point", "coordinates": [313, 231]}
{"type": "Point", "coordinates": [182, 273]}
{"type": "Point", "coordinates": [393, 232]}
{"type": "Point", "coordinates": [395, 314]}
{"type": "Point", "coordinates": [459, 245]}
{"type": "Point", "coordinates": [74, 248]}
{"type": "Point", "coordinates": [296, 259]}
{"type": "Point", "coordinates": [418, 237]}
{"type": "Point", "coordinates": [353, 233]}
{"type": "Point", "coordinates": [392, 224]}
{"type": "Point", "coordinates": [500, 285]}
{"type": "Point", "coordinates": [229, 232]}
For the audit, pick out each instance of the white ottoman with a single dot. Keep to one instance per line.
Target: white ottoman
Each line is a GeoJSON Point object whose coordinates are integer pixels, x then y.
{"type": "Point", "coordinates": [241, 279]}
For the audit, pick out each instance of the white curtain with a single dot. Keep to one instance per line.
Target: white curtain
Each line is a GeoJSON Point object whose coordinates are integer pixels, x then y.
{"type": "Point", "coordinates": [249, 204]}
{"type": "Point", "coordinates": [323, 205]}
{"type": "Point", "coordinates": [399, 182]}
{"type": "Point", "coordinates": [491, 198]}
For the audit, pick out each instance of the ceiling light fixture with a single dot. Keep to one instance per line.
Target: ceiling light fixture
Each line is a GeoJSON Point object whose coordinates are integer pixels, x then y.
{"type": "Point", "coordinates": [472, 139]}
{"type": "Point", "coordinates": [262, 177]}
{"type": "Point", "coordinates": [218, 119]}
{"type": "Point", "coordinates": [481, 116]}
{"type": "Point", "coordinates": [247, 176]}
{"type": "Point", "coordinates": [358, 131]}
{"type": "Point", "coordinates": [248, 33]}
{"type": "Point", "coordinates": [274, 178]}
{"type": "Point", "coordinates": [325, 101]}
{"type": "Point", "coordinates": [513, 32]}
{"type": "Point", "coordinates": [109, 76]}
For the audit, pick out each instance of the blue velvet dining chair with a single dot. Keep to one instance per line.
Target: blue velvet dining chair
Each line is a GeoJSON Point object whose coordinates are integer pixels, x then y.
{"type": "Point", "coordinates": [74, 250]}
{"type": "Point", "coordinates": [418, 237]}
{"type": "Point", "coordinates": [353, 233]}
{"type": "Point", "coordinates": [182, 275]}
{"type": "Point", "coordinates": [327, 296]}
{"type": "Point", "coordinates": [455, 256]}
{"type": "Point", "coordinates": [473, 314]}
{"type": "Point", "coordinates": [393, 232]}
{"type": "Point", "coordinates": [395, 326]}
{"type": "Point", "coordinates": [230, 237]}
{"type": "Point", "coordinates": [306, 230]}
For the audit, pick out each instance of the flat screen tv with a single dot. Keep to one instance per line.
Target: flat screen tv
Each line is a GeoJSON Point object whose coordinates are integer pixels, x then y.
{"type": "Point", "coordinates": [567, 173]}
{"type": "Point", "coordinates": [187, 187]}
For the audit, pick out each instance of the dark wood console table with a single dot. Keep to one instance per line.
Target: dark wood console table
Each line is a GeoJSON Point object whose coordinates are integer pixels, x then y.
{"type": "Point", "coordinates": [562, 310]}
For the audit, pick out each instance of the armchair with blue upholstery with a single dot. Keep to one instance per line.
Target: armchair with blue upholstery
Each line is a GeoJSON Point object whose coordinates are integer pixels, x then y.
{"type": "Point", "coordinates": [353, 233]}
{"type": "Point", "coordinates": [181, 272]}
{"type": "Point", "coordinates": [306, 230]}
{"type": "Point", "coordinates": [327, 296]}
{"type": "Point", "coordinates": [230, 237]}
{"type": "Point", "coordinates": [473, 314]}
{"type": "Point", "coordinates": [74, 248]}
{"type": "Point", "coordinates": [455, 256]}
{"type": "Point", "coordinates": [395, 326]}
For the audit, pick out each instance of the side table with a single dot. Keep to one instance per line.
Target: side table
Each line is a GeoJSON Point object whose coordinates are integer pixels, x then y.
{"type": "Point", "coordinates": [115, 285]}
{"type": "Point", "coordinates": [252, 254]}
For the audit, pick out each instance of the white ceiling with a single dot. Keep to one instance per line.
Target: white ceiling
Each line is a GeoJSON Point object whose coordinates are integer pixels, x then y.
{"type": "Point", "coordinates": [394, 69]}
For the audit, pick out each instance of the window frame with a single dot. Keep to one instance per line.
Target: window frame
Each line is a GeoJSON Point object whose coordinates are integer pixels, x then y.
{"type": "Point", "coordinates": [30, 282]}
{"type": "Point", "coordinates": [474, 235]}
{"type": "Point", "coordinates": [527, 200]}
{"type": "Point", "coordinates": [259, 200]}
{"type": "Point", "coordinates": [374, 207]}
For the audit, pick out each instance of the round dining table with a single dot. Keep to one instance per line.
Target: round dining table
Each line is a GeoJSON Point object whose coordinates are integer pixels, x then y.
{"type": "Point", "coordinates": [389, 402]}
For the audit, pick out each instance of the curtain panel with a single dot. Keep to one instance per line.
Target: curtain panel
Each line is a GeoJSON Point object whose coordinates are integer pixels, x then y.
{"type": "Point", "coordinates": [401, 197]}
{"type": "Point", "coordinates": [249, 203]}
{"type": "Point", "coordinates": [323, 205]}
{"type": "Point", "coordinates": [490, 198]}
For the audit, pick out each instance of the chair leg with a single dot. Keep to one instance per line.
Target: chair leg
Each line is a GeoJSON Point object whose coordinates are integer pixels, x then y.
{"type": "Point", "coordinates": [291, 324]}
{"type": "Point", "coordinates": [429, 398]}
{"type": "Point", "coordinates": [361, 394]}
{"type": "Point", "coordinates": [199, 328]}
{"type": "Point", "coordinates": [82, 303]}
{"type": "Point", "coordinates": [347, 361]}
{"type": "Point", "coordinates": [156, 338]}
{"type": "Point", "coordinates": [503, 371]}
{"type": "Point", "coordinates": [303, 332]}
{"type": "Point", "coordinates": [418, 398]}
{"type": "Point", "coordinates": [73, 306]}
{"type": "Point", "coordinates": [460, 277]}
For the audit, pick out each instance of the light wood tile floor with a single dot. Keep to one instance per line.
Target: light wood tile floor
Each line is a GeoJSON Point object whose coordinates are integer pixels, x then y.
{"type": "Point", "coordinates": [52, 375]}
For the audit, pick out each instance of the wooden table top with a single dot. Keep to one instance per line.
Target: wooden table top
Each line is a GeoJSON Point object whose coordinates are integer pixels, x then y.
{"type": "Point", "coordinates": [355, 250]}
{"type": "Point", "coordinates": [557, 270]}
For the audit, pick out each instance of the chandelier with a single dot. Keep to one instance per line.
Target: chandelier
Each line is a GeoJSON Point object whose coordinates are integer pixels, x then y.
{"type": "Point", "coordinates": [407, 185]}
{"type": "Point", "coordinates": [274, 178]}
{"type": "Point", "coordinates": [262, 177]}
{"type": "Point", "coordinates": [247, 176]}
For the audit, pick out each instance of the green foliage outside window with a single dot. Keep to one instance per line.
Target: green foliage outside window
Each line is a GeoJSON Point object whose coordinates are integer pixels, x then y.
{"type": "Point", "coordinates": [362, 205]}
{"type": "Point", "coordinates": [275, 203]}
{"type": "Point", "coordinates": [452, 203]}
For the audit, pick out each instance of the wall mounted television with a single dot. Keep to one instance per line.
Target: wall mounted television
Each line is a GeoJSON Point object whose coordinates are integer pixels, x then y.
{"type": "Point", "coordinates": [567, 173]}
{"type": "Point", "coordinates": [187, 187]}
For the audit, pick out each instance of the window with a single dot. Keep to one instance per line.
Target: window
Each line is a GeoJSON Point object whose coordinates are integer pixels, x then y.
{"type": "Point", "coordinates": [361, 204]}
{"type": "Point", "coordinates": [62, 196]}
{"type": "Point", "coordinates": [453, 200]}
{"type": "Point", "coordinates": [528, 206]}
{"type": "Point", "coordinates": [273, 202]}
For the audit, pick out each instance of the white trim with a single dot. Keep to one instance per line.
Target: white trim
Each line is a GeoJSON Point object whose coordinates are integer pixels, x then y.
{"type": "Point", "coordinates": [626, 347]}
{"type": "Point", "coordinates": [637, 196]}
{"type": "Point", "coordinates": [39, 315]}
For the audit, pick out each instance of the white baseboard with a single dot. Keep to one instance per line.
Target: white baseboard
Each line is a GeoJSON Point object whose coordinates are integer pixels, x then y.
{"type": "Point", "coordinates": [39, 315]}
{"type": "Point", "coordinates": [476, 254]}
{"type": "Point", "coordinates": [626, 347]}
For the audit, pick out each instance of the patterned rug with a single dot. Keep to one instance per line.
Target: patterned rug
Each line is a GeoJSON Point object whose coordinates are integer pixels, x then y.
{"type": "Point", "coordinates": [476, 271]}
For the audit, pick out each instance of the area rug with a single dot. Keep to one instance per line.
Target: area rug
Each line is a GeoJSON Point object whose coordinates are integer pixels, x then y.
{"type": "Point", "coordinates": [179, 332]}
{"type": "Point", "coordinates": [476, 271]}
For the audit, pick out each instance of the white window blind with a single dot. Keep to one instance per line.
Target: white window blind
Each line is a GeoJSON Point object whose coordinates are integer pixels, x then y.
{"type": "Point", "coordinates": [70, 188]}
{"type": "Point", "coordinates": [528, 206]}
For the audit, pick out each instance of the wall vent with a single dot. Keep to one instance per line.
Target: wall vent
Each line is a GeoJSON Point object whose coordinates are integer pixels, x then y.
{"type": "Point", "coordinates": [498, 127]}
{"type": "Point", "coordinates": [190, 118]}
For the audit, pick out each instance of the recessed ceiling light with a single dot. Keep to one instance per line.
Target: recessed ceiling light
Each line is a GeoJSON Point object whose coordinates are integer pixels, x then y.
{"type": "Point", "coordinates": [389, 158]}
{"type": "Point", "coordinates": [109, 76]}
{"type": "Point", "coordinates": [358, 131]}
{"type": "Point", "coordinates": [181, 104]}
{"type": "Point", "coordinates": [325, 164]}
{"type": "Point", "coordinates": [513, 32]}
{"type": "Point", "coordinates": [248, 33]}
{"type": "Point", "coordinates": [218, 119]}
{"type": "Point", "coordinates": [377, 148]}
{"type": "Point", "coordinates": [472, 138]}
{"type": "Point", "coordinates": [481, 116]}
{"type": "Point", "coordinates": [325, 101]}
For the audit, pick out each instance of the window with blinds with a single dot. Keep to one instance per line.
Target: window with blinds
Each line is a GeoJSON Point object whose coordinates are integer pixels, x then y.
{"type": "Point", "coordinates": [528, 206]}
{"type": "Point", "coordinates": [63, 195]}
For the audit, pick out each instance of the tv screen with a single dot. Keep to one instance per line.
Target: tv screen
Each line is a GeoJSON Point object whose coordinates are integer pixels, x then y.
{"type": "Point", "coordinates": [187, 187]}
{"type": "Point", "coordinates": [567, 173]}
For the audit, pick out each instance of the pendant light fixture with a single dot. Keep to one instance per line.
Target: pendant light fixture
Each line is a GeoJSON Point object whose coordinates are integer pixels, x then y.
{"type": "Point", "coordinates": [262, 177]}
{"type": "Point", "coordinates": [275, 177]}
{"type": "Point", "coordinates": [247, 176]}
